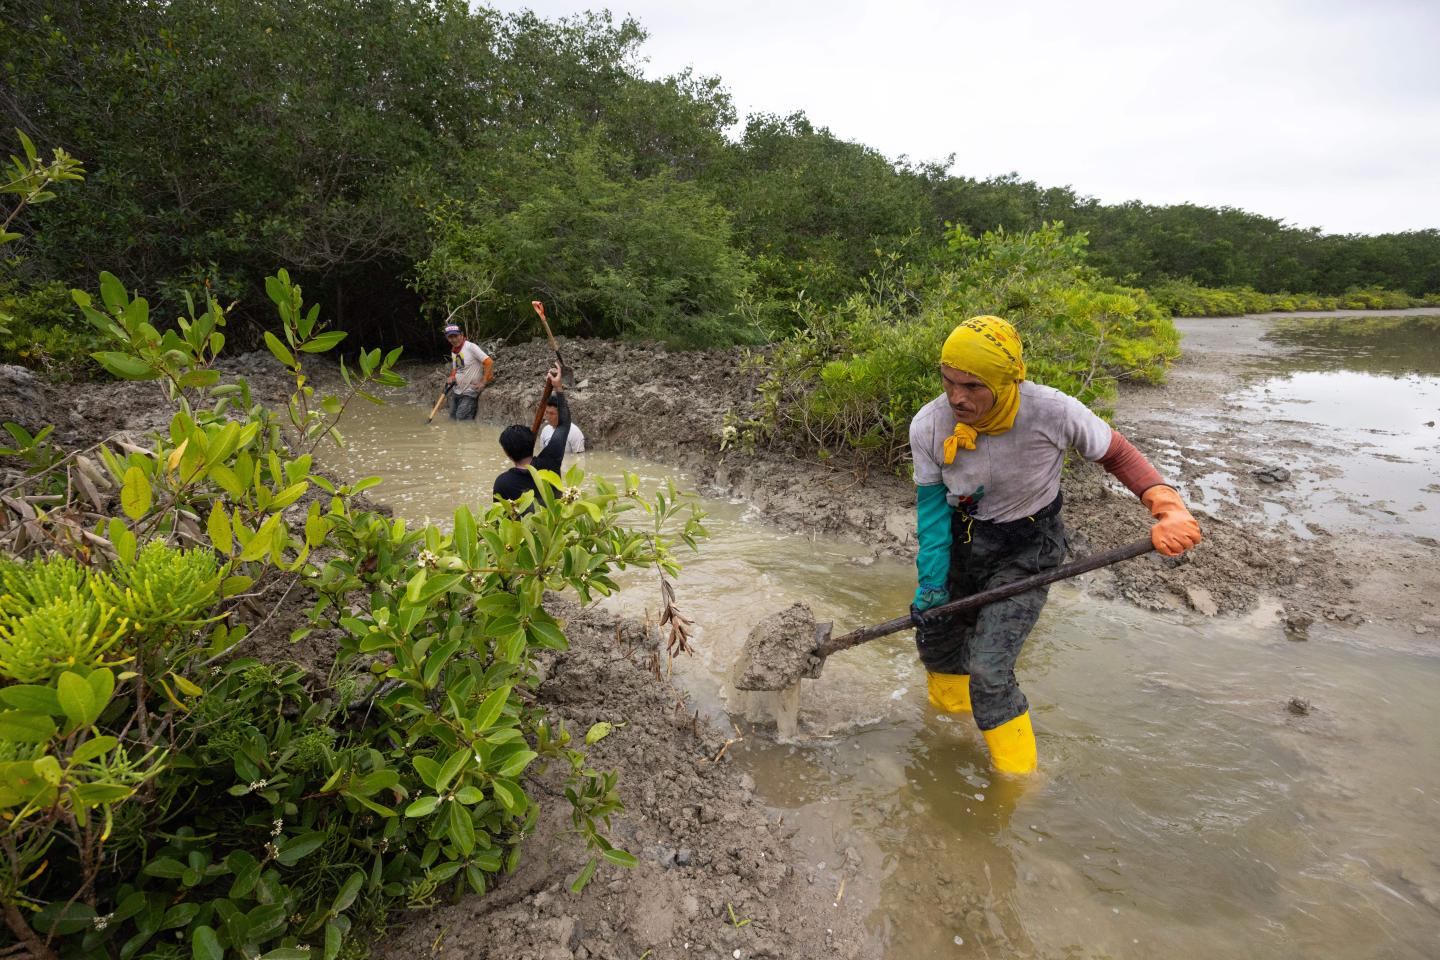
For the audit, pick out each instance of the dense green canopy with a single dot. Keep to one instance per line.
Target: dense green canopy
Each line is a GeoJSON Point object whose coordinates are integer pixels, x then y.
{"type": "Point", "coordinates": [405, 158]}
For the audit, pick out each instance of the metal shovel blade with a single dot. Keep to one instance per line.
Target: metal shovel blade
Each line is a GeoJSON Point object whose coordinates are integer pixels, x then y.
{"type": "Point", "coordinates": [817, 663]}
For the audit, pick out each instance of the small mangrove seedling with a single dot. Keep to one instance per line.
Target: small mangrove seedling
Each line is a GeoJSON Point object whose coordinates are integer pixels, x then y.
{"type": "Point", "coordinates": [735, 921]}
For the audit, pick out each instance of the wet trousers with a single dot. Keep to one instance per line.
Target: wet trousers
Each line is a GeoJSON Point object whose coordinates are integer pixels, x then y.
{"type": "Point", "coordinates": [985, 643]}
{"type": "Point", "coordinates": [463, 406]}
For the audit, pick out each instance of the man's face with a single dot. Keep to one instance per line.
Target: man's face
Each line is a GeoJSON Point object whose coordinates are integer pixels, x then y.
{"type": "Point", "coordinates": [967, 394]}
{"type": "Point", "coordinates": [552, 416]}
{"type": "Point", "coordinates": [455, 339]}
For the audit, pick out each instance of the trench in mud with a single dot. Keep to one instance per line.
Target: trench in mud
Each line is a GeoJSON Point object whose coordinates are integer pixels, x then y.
{"type": "Point", "coordinates": [1185, 807]}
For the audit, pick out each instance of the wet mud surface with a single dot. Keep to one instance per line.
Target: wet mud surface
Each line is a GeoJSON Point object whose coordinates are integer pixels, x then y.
{"type": "Point", "coordinates": [1186, 807]}
{"type": "Point", "coordinates": [716, 877]}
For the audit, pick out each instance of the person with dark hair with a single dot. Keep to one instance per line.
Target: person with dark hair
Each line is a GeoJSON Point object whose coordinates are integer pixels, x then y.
{"type": "Point", "coordinates": [518, 442]}
{"type": "Point", "coordinates": [576, 441]}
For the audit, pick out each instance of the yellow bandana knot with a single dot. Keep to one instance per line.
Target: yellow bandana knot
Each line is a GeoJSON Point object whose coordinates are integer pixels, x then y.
{"type": "Point", "coordinates": [989, 349]}
{"type": "Point", "coordinates": [962, 439]}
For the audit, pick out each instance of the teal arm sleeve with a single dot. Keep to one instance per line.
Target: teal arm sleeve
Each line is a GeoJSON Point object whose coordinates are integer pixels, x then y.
{"type": "Point", "coordinates": [932, 562]}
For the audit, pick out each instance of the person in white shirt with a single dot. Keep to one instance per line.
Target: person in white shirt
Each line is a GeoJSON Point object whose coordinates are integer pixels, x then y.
{"type": "Point", "coordinates": [470, 372]}
{"type": "Point", "coordinates": [575, 443]}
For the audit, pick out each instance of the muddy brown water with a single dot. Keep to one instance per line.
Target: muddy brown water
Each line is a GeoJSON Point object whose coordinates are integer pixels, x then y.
{"type": "Point", "coordinates": [1185, 808]}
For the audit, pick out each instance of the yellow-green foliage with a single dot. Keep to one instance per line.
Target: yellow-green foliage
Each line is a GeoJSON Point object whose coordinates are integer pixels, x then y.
{"type": "Point", "coordinates": [852, 378]}
{"type": "Point", "coordinates": [56, 615]}
{"type": "Point", "coordinates": [51, 620]}
{"type": "Point", "coordinates": [164, 587]}
{"type": "Point", "coordinates": [1184, 298]}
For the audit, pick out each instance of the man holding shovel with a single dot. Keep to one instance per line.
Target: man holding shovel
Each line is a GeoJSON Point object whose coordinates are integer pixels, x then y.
{"type": "Point", "coordinates": [470, 371]}
{"type": "Point", "coordinates": [988, 454]}
{"type": "Point", "coordinates": [518, 442]}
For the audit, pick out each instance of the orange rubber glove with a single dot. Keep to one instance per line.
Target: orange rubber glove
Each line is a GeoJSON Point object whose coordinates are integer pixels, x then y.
{"type": "Point", "coordinates": [1175, 530]}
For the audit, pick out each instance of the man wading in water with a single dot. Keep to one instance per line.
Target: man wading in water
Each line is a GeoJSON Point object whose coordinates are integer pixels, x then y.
{"type": "Point", "coordinates": [988, 455]}
{"type": "Point", "coordinates": [470, 371]}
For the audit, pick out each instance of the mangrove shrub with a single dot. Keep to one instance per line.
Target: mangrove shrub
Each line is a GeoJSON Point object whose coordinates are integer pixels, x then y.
{"type": "Point", "coordinates": [171, 785]}
{"type": "Point", "coordinates": [849, 381]}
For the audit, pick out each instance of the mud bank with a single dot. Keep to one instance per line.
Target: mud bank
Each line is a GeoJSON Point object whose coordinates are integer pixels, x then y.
{"type": "Point", "coordinates": [87, 412]}
{"type": "Point", "coordinates": [647, 400]}
{"type": "Point", "coordinates": [715, 878]}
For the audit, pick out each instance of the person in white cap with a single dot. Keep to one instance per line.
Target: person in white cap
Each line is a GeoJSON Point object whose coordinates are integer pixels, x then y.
{"type": "Point", "coordinates": [470, 372]}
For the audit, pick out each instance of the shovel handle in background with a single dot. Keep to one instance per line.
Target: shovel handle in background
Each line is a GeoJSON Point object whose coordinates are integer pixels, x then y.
{"type": "Point", "coordinates": [545, 395]}
{"type": "Point", "coordinates": [829, 645]}
{"type": "Point", "coordinates": [436, 409]}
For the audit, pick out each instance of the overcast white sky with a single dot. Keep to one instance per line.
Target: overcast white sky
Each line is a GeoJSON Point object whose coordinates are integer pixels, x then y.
{"type": "Point", "coordinates": [1321, 113]}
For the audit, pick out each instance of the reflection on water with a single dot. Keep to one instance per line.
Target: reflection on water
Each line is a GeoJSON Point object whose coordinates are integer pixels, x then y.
{"type": "Point", "coordinates": [1385, 346]}
{"type": "Point", "coordinates": [1182, 809]}
{"type": "Point", "coordinates": [1369, 390]}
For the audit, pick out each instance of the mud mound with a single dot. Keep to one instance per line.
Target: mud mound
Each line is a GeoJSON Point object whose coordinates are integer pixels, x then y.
{"type": "Point", "coordinates": [777, 652]}
{"type": "Point", "coordinates": [706, 846]}
{"type": "Point", "coordinates": [86, 413]}
{"type": "Point", "coordinates": [643, 397]}
{"type": "Point", "coordinates": [24, 398]}
{"type": "Point", "coordinates": [1235, 564]}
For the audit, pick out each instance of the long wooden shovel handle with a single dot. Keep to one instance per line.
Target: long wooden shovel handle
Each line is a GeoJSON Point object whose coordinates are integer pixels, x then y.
{"type": "Point", "coordinates": [1063, 572]}
{"type": "Point", "coordinates": [540, 411]}
{"type": "Point", "coordinates": [545, 395]}
{"type": "Point", "coordinates": [436, 409]}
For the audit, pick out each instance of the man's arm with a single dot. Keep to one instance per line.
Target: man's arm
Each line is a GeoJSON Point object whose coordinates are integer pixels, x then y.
{"type": "Point", "coordinates": [553, 456]}
{"type": "Point", "coordinates": [932, 522]}
{"type": "Point", "coordinates": [1128, 465]}
{"type": "Point", "coordinates": [1175, 529]}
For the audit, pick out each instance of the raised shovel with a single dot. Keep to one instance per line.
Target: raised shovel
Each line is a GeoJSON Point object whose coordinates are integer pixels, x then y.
{"type": "Point", "coordinates": [545, 394]}
{"type": "Point", "coordinates": [779, 652]}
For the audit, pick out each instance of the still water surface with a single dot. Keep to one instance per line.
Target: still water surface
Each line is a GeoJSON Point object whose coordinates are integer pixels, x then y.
{"type": "Point", "coordinates": [1352, 406]}
{"type": "Point", "coordinates": [1182, 810]}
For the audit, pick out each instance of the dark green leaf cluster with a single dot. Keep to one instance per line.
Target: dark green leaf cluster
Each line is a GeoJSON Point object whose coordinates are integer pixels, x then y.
{"type": "Point", "coordinates": [449, 160]}
{"type": "Point", "coordinates": [1146, 244]}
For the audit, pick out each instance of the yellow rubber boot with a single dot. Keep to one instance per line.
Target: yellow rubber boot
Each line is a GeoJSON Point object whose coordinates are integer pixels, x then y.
{"type": "Point", "coordinates": [949, 692]}
{"type": "Point", "coordinates": [1012, 745]}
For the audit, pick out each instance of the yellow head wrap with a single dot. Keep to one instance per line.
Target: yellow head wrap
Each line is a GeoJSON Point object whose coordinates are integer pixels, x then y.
{"type": "Point", "coordinates": [989, 349]}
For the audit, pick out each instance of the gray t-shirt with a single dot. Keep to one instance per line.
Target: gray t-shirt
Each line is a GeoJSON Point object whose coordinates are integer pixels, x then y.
{"type": "Point", "coordinates": [1012, 474]}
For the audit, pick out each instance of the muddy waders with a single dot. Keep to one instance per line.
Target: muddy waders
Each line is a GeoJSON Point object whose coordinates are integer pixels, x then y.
{"type": "Point", "coordinates": [970, 656]}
